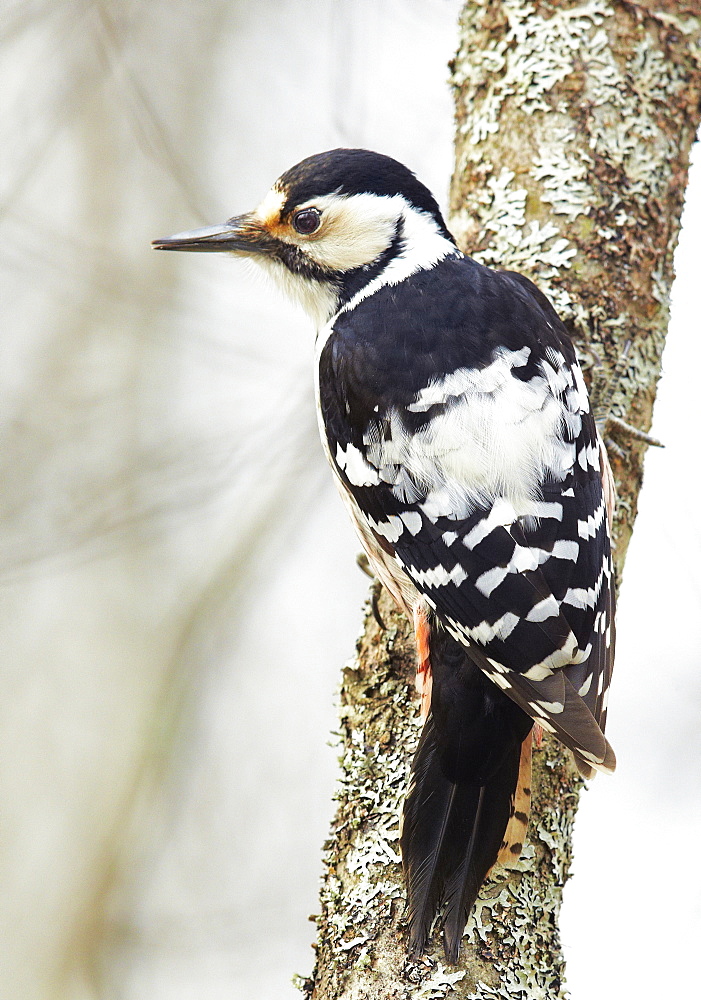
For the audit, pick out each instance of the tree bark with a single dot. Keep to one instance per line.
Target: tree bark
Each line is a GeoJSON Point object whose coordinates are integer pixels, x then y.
{"type": "Point", "coordinates": [574, 123]}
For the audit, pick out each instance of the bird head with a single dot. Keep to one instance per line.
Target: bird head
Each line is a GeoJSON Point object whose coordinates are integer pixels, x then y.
{"type": "Point", "coordinates": [330, 226]}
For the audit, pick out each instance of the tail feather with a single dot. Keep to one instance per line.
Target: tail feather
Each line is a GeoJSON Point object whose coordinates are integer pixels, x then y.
{"type": "Point", "coordinates": [436, 824]}
{"type": "Point", "coordinates": [465, 883]}
{"type": "Point", "coordinates": [452, 835]}
{"type": "Point", "coordinates": [461, 809]}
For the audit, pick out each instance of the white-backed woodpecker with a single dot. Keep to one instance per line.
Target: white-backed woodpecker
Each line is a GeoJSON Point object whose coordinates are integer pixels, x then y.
{"type": "Point", "coordinates": [456, 421]}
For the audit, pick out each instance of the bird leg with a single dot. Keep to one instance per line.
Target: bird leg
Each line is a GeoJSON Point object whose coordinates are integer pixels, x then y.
{"type": "Point", "coordinates": [602, 398]}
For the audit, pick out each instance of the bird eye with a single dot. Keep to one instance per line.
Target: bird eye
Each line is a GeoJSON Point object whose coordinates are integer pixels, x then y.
{"type": "Point", "coordinates": [307, 221]}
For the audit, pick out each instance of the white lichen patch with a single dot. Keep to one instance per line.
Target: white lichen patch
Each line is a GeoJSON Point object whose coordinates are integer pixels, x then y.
{"type": "Point", "coordinates": [512, 241]}
{"type": "Point", "coordinates": [515, 243]}
{"type": "Point", "coordinates": [362, 888]}
{"type": "Point", "coordinates": [563, 174]}
{"type": "Point", "coordinates": [534, 54]}
{"type": "Point", "coordinates": [363, 892]}
{"type": "Point", "coordinates": [570, 124]}
{"type": "Point", "coordinates": [520, 911]}
{"type": "Point", "coordinates": [625, 104]}
{"type": "Point", "coordinates": [440, 984]}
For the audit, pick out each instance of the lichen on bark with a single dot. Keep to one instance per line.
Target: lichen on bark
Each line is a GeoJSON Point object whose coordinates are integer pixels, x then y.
{"type": "Point", "coordinates": [573, 128]}
{"type": "Point", "coordinates": [361, 946]}
{"type": "Point", "coordinates": [574, 122]}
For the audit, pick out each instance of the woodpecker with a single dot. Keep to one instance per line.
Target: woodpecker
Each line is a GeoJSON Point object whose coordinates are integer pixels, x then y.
{"type": "Point", "coordinates": [455, 418]}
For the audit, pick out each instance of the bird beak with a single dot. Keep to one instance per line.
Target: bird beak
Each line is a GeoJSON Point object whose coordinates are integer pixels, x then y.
{"type": "Point", "coordinates": [243, 234]}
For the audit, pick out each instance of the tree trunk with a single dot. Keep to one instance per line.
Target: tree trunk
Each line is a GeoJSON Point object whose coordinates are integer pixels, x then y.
{"type": "Point", "coordinates": [574, 125]}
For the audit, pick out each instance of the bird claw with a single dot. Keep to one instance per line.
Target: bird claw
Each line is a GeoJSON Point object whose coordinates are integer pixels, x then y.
{"type": "Point", "coordinates": [364, 563]}
{"type": "Point", "coordinates": [633, 432]}
{"type": "Point", "coordinates": [613, 448]}
{"type": "Point", "coordinates": [375, 605]}
{"type": "Point", "coordinates": [602, 397]}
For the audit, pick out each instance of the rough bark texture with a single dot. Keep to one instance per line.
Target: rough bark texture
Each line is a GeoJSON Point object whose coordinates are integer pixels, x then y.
{"type": "Point", "coordinates": [574, 124]}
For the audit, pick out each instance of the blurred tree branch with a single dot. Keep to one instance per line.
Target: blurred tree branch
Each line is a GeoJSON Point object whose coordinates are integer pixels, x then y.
{"type": "Point", "coordinates": [574, 123]}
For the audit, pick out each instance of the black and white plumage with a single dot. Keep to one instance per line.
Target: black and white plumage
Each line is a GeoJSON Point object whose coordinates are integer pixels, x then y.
{"type": "Point", "coordinates": [456, 420]}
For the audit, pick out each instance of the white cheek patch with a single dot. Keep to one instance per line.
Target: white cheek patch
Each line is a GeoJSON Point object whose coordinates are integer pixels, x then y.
{"type": "Point", "coordinates": [423, 243]}
{"type": "Point", "coordinates": [355, 230]}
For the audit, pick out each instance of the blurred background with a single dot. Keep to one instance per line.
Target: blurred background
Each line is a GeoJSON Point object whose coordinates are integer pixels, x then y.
{"type": "Point", "coordinates": [178, 588]}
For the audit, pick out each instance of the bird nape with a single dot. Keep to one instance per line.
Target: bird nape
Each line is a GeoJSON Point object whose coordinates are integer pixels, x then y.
{"type": "Point", "coordinates": [458, 428]}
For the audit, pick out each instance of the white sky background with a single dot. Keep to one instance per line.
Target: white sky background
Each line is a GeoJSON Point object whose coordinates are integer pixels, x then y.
{"type": "Point", "coordinates": [171, 534]}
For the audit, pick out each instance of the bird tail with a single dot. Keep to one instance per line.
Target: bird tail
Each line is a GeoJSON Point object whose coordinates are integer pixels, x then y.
{"type": "Point", "coordinates": [469, 797]}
